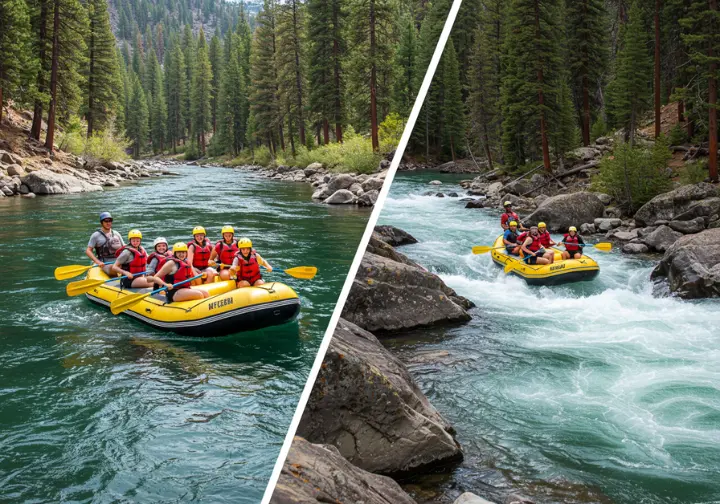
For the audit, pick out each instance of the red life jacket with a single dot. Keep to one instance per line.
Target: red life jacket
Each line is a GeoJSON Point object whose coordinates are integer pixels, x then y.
{"type": "Point", "coordinates": [201, 254]}
{"type": "Point", "coordinates": [226, 253]}
{"type": "Point", "coordinates": [161, 259]}
{"type": "Point", "coordinates": [545, 239]}
{"type": "Point", "coordinates": [522, 236]}
{"type": "Point", "coordinates": [569, 241]}
{"type": "Point", "coordinates": [183, 272]}
{"type": "Point", "coordinates": [249, 269]}
{"type": "Point", "coordinates": [139, 260]}
{"type": "Point", "coordinates": [505, 218]}
{"type": "Point", "coordinates": [535, 245]}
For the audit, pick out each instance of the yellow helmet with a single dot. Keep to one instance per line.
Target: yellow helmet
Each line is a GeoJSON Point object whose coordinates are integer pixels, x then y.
{"type": "Point", "coordinates": [228, 229]}
{"type": "Point", "coordinates": [507, 203]}
{"type": "Point", "coordinates": [180, 247]}
{"type": "Point", "coordinates": [198, 230]}
{"type": "Point", "coordinates": [134, 233]}
{"type": "Point", "coordinates": [244, 243]}
{"type": "Point", "coordinates": [512, 223]}
{"type": "Point", "coordinates": [572, 228]}
{"type": "Point", "coordinates": [541, 225]}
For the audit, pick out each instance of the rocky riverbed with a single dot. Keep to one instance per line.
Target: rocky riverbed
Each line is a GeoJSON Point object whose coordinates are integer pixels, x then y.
{"type": "Point", "coordinates": [367, 423]}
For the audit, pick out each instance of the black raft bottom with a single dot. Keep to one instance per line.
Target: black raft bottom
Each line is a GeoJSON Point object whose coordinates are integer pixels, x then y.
{"type": "Point", "coordinates": [571, 277]}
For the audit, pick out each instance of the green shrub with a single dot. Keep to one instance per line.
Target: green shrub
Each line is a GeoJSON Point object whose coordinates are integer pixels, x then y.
{"type": "Point", "coordinates": [100, 147]}
{"type": "Point", "coordinates": [192, 151]}
{"type": "Point", "coordinates": [262, 156]}
{"type": "Point", "coordinates": [633, 176]}
{"type": "Point", "coordinates": [390, 132]}
{"type": "Point", "coordinates": [72, 139]}
{"type": "Point", "coordinates": [598, 129]}
{"type": "Point", "coordinates": [678, 135]}
{"type": "Point", "coordinates": [694, 172]}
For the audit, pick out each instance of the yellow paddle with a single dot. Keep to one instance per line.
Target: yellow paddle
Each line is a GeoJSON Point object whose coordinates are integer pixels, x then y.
{"type": "Point", "coordinates": [122, 304]}
{"type": "Point", "coordinates": [301, 272]}
{"type": "Point", "coordinates": [73, 270]}
{"type": "Point", "coordinates": [602, 246]}
{"type": "Point", "coordinates": [484, 249]}
{"type": "Point", "coordinates": [83, 286]}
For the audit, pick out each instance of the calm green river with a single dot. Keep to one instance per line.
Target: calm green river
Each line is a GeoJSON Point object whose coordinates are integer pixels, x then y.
{"type": "Point", "coordinates": [592, 392]}
{"type": "Point", "coordinates": [96, 408]}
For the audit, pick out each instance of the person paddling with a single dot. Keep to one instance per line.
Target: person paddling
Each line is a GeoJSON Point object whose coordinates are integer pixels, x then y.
{"type": "Point", "coordinates": [224, 252]}
{"type": "Point", "coordinates": [508, 215]}
{"type": "Point", "coordinates": [510, 239]}
{"type": "Point", "coordinates": [176, 269]}
{"type": "Point", "coordinates": [104, 243]}
{"type": "Point", "coordinates": [199, 251]}
{"type": "Point", "coordinates": [159, 256]}
{"type": "Point", "coordinates": [247, 264]}
{"type": "Point", "coordinates": [545, 238]}
{"type": "Point", "coordinates": [131, 263]}
{"type": "Point", "coordinates": [572, 242]}
{"type": "Point", "coordinates": [533, 248]}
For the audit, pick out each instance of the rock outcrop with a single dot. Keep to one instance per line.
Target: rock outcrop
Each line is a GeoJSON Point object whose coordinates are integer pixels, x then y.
{"type": "Point", "coordinates": [395, 237]}
{"type": "Point", "coordinates": [314, 473]}
{"type": "Point", "coordinates": [48, 182]}
{"type": "Point", "coordinates": [669, 206]}
{"type": "Point", "coordinates": [366, 404]}
{"type": "Point", "coordinates": [565, 210]}
{"type": "Point", "coordinates": [691, 265]}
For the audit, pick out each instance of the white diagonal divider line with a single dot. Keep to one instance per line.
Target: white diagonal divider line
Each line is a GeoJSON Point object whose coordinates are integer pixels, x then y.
{"type": "Point", "coordinates": [399, 151]}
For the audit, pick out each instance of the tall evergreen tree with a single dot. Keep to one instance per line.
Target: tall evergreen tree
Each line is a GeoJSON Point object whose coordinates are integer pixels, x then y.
{"type": "Point", "coordinates": [16, 63]}
{"type": "Point", "coordinates": [404, 91]}
{"type": "Point", "coordinates": [291, 72]}
{"type": "Point", "coordinates": [158, 114]}
{"type": "Point", "coordinates": [232, 114]}
{"type": "Point", "coordinates": [201, 93]}
{"type": "Point", "coordinates": [631, 89]}
{"type": "Point", "coordinates": [137, 117]}
{"type": "Point", "coordinates": [216, 58]}
{"type": "Point", "coordinates": [102, 73]}
{"type": "Point", "coordinates": [453, 109]}
{"type": "Point", "coordinates": [176, 94]}
{"type": "Point", "coordinates": [41, 18]}
{"type": "Point", "coordinates": [188, 49]}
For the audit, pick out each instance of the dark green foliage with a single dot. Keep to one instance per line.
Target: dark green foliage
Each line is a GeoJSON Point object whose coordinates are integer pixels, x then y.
{"type": "Point", "coordinates": [215, 56]}
{"type": "Point", "coordinates": [201, 94]}
{"type": "Point", "coordinates": [137, 117]}
{"type": "Point", "coordinates": [17, 65]}
{"type": "Point", "coordinates": [404, 90]}
{"type": "Point", "coordinates": [453, 108]}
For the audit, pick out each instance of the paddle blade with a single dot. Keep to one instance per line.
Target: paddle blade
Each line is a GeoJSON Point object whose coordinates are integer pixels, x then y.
{"type": "Point", "coordinates": [302, 272]}
{"type": "Point", "coordinates": [604, 246]}
{"type": "Point", "coordinates": [122, 304]}
{"type": "Point", "coordinates": [509, 267]}
{"type": "Point", "coordinates": [81, 287]}
{"type": "Point", "coordinates": [71, 271]}
{"type": "Point", "coordinates": [481, 249]}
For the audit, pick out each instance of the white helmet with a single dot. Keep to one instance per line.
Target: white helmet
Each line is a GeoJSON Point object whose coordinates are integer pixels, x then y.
{"type": "Point", "coordinates": [160, 240]}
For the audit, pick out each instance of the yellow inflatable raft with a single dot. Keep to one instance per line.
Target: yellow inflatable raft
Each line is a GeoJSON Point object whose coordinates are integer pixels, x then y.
{"type": "Point", "coordinates": [227, 310]}
{"type": "Point", "coordinates": [559, 272]}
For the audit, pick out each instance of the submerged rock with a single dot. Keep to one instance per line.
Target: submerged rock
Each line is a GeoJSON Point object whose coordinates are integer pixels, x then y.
{"type": "Point", "coordinates": [565, 210]}
{"type": "Point", "coordinates": [692, 265]}
{"type": "Point", "coordinates": [475, 204]}
{"type": "Point", "coordinates": [366, 404]}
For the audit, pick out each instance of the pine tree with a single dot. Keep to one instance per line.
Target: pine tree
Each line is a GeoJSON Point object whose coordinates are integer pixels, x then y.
{"type": "Point", "coordinates": [404, 91]}
{"type": "Point", "coordinates": [530, 57]}
{"type": "Point", "coordinates": [176, 94]}
{"type": "Point", "coordinates": [158, 113]}
{"type": "Point", "coordinates": [188, 49]}
{"type": "Point", "coordinates": [41, 22]}
{"type": "Point", "coordinates": [215, 63]}
{"type": "Point", "coordinates": [137, 117]}
{"type": "Point", "coordinates": [631, 89]}
{"type": "Point", "coordinates": [232, 114]}
{"type": "Point", "coordinates": [587, 30]}
{"type": "Point", "coordinates": [102, 73]}
{"type": "Point", "coordinates": [17, 67]}
{"type": "Point", "coordinates": [69, 27]}
{"type": "Point", "coordinates": [201, 93]}
{"type": "Point", "coordinates": [453, 108]}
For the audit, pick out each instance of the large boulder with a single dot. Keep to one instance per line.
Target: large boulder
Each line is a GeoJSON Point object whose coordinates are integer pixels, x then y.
{"type": "Point", "coordinates": [366, 404]}
{"type": "Point", "coordinates": [15, 170]}
{"type": "Point", "coordinates": [48, 182]}
{"type": "Point", "coordinates": [390, 295]}
{"type": "Point", "coordinates": [688, 226]}
{"type": "Point", "coordinates": [393, 236]}
{"type": "Point", "coordinates": [368, 198]}
{"type": "Point", "coordinates": [372, 183]}
{"type": "Point", "coordinates": [565, 210]}
{"type": "Point", "coordinates": [668, 206]}
{"type": "Point", "coordinates": [604, 224]}
{"type": "Point", "coordinates": [342, 181]}
{"type": "Point", "coordinates": [341, 197]}
{"type": "Point", "coordinates": [10, 158]}
{"type": "Point", "coordinates": [661, 238]}
{"type": "Point", "coordinates": [517, 187]}
{"type": "Point", "coordinates": [314, 473]}
{"type": "Point", "coordinates": [692, 265]}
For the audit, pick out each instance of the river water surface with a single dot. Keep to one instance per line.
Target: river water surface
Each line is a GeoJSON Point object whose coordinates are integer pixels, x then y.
{"type": "Point", "coordinates": [592, 392]}
{"type": "Point", "coordinates": [96, 408]}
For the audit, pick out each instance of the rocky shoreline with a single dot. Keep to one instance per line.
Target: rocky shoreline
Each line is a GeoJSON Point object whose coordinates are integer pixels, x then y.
{"type": "Point", "coordinates": [367, 424]}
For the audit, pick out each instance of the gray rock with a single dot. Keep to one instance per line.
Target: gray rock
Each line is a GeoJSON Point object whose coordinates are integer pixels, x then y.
{"type": "Point", "coordinates": [372, 183]}
{"type": "Point", "coordinates": [47, 182]}
{"type": "Point", "coordinates": [635, 248]}
{"type": "Point", "coordinates": [10, 158]}
{"type": "Point", "coordinates": [24, 189]}
{"type": "Point", "coordinates": [668, 205]}
{"type": "Point", "coordinates": [494, 189]}
{"type": "Point", "coordinates": [341, 197]}
{"type": "Point", "coordinates": [395, 237]}
{"type": "Point", "coordinates": [440, 195]}
{"type": "Point", "coordinates": [475, 204]}
{"type": "Point", "coordinates": [471, 498]}
{"type": "Point", "coordinates": [621, 235]}
{"type": "Point", "coordinates": [537, 179]}
{"type": "Point", "coordinates": [688, 226]}
{"type": "Point", "coordinates": [605, 198]}
{"type": "Point", "coordinates": [517, 187]}
{"type": "Point", "coordinates": [540, 199]}
{"type": "Point", "coordinates": [28, 195]}
{"type": "Point", "coordinates": [314, 473]}
{"type": "Point", "coordinates": [605, 224]}
{"type": "Point", "coordinates": [111, 183]}
{"type": "Point", "coordinates": [356, 189]}
{"type": "Point", "coordinates": [7, 191]}
{"type": "Point", "coordinates": [15, 170]}
{"type": "Point", "coordinates": [565, 210]}
{"type": "Point", "coordinates": [703, 208]}
{"type": "Point", "coordinates": [368, 198]}
{"type": "Point", "coordinates": [366, 404]}
{"type": "Point", "coordinates": [584, 153]}
{"type": "Point", "coordinates": [112, 165]}
{"type": "Point", "coordinates": [661, 238]}
{"type": "Point", "coordinates": [453, 195]}
{"type": "Point", "coordinates": [691, 265]}
{"type": "Point", "coordinates": [587, 228]}
{"type": "Point", "coordinates": [342, 181]}
{"type": "Point", "coordinates": [284, 169]}
{"type": "Point", "coordinates": [435, 182]}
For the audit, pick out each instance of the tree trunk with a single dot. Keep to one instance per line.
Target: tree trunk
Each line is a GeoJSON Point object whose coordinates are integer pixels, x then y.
{"type": "Point", "coordinates": [281, 136]}
{"type": "Point", "coordinates": [586, 112]}
{"type": "Point", "coordinates": [36, 128]}
{"type": "Point", "coordinates": [712, 101]}
{"type": "Point", "coordinates": [427, 133]}
{"type": "Point", "coordinates": [681, 111]}
{"type": "Point", "coordinates": [452, 148]}
{"type": "Point", "coordinates": [50, 137]}
{"type": "Point", "coordinates": [326, 132]}
{"type": "Point", "coordinates": [630, 134]}
{"type": "Point", "coordinates": [1, 98]}
{"type": "Point", "coordinates": [290, 130]}
{"type": "Point", "coordinates": [373, 84]}
{"type": "Point", "coordinates": [486, 141]}
{"type": "Point", "coordinates": [298, 80]}
{"type": "Point", "coordinates": [541, 97]}
{"type": "Point", "coordinates": [657, 69]}
{"type": "Point", "coordinates": [336, 59]}
{"type": "Point", "coordinates": [317, 133]}
{"type": "Point", "coordinates": [91, 80]}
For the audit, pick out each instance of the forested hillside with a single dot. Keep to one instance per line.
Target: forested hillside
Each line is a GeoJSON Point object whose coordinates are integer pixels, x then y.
{"type": "Point", "coordinates": [525, 81]}
{"type": "Point", "coordinates": [207, 77]}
